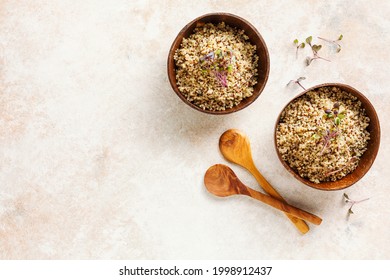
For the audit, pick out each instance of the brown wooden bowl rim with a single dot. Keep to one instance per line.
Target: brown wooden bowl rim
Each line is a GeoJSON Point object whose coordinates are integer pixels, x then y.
{"type": "Point", "coordinates": [333, 186]}
{"type": "Point", "coordinates": [171, 64]}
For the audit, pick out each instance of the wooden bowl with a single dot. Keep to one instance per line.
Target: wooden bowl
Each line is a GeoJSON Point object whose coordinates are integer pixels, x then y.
{"type": "Point", "coordinates": [254, 37]}
{"type": "Point", "coordinates": [366, 160]}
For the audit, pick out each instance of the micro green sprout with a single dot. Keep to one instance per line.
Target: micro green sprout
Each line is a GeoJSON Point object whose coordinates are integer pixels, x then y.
{"type": "Point", "coordinates": [298, 82]}
{"type": "Point", "coordinates": [334, 114]}
{"type": "Point", "coordinates": [315, 49]}
{"type": "Point", "coordinates": [328, 135]}
{"type": "Point", "coordinates": [352, 202]}
{"type": "Point", "coordinates": [352, 160]}
{"type": "Point", "coordinates": [298, 46]}
{"type": "Point", "coordinates": [334, 42]}
{"type": "Point", "coordinates": [219, 63]}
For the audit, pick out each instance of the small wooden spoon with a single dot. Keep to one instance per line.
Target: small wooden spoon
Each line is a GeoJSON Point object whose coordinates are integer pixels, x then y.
{"type": "Point", "coordinates": [221, 181]}
{"type": "Point", "coordinates": [235, 147]}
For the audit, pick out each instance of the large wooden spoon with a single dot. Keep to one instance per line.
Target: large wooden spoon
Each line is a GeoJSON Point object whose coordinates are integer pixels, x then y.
{"type": "Point", "coordinates": [222, 181]}
{"type": "Point", "coordinates": [235, 147]}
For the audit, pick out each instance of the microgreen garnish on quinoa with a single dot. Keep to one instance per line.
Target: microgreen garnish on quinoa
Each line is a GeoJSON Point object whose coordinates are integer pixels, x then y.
{"type": "Point", "coordinates": [216, 67]}
{"type": "Point", "coordinates": [218, 63]}
{"type": "Point", "coordinates": [322, 134]}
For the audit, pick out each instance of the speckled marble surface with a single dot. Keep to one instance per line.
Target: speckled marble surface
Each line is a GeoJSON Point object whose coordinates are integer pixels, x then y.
{"type": "Point", "coordinates": [100, 159]}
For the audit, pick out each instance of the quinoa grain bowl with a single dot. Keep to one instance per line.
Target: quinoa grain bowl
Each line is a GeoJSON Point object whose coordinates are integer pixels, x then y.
{"type": "Point", "coordinates": [218, 64]}
{"type": "Point", "coordinates": [216, 67]}
{"type": "Point", "coordinates": [328, 136]}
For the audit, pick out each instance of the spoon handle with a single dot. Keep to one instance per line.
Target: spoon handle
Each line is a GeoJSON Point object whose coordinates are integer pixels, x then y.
{"type": "Point", "coordinates": [299, 224]}
{"type": "Point", "coordinates": [288, 209]}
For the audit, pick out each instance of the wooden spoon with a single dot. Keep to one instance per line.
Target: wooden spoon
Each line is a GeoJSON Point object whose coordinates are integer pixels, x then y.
{"type": "Point", "coordinates": [221, 181]}
{"type": "Point", "coordinates": [235, 147]}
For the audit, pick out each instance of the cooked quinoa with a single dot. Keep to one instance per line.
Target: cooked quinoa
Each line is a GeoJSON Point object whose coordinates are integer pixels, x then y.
{"type": "Point", "coordinates": [322, 134]}
{"type": "Point", "coordinates": [216, 67]}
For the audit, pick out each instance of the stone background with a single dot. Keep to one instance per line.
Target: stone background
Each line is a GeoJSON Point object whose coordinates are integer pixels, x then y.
{"type": "Point", "coordinates": [99, 159]}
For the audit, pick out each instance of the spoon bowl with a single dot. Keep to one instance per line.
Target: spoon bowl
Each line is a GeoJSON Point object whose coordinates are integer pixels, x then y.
{"type": "Point", "coordinates": [221, 181]}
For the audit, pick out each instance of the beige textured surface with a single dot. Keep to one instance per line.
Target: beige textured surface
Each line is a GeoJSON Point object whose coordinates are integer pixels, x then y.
{"type": "Point", "coordinates": [100, 159]}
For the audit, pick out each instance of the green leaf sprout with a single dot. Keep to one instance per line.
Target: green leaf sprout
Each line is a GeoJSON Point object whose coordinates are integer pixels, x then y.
{"type": "Point", "coordinates": [334, 42]}
{"type": "Point", "coordinates": [352, 202]}
{"type": "Point", "coordinates": [315, 49]}
{"type": "Point", "coordinates": [298, 46]}
{"type": "Point", "coordinates": [334, 114]}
